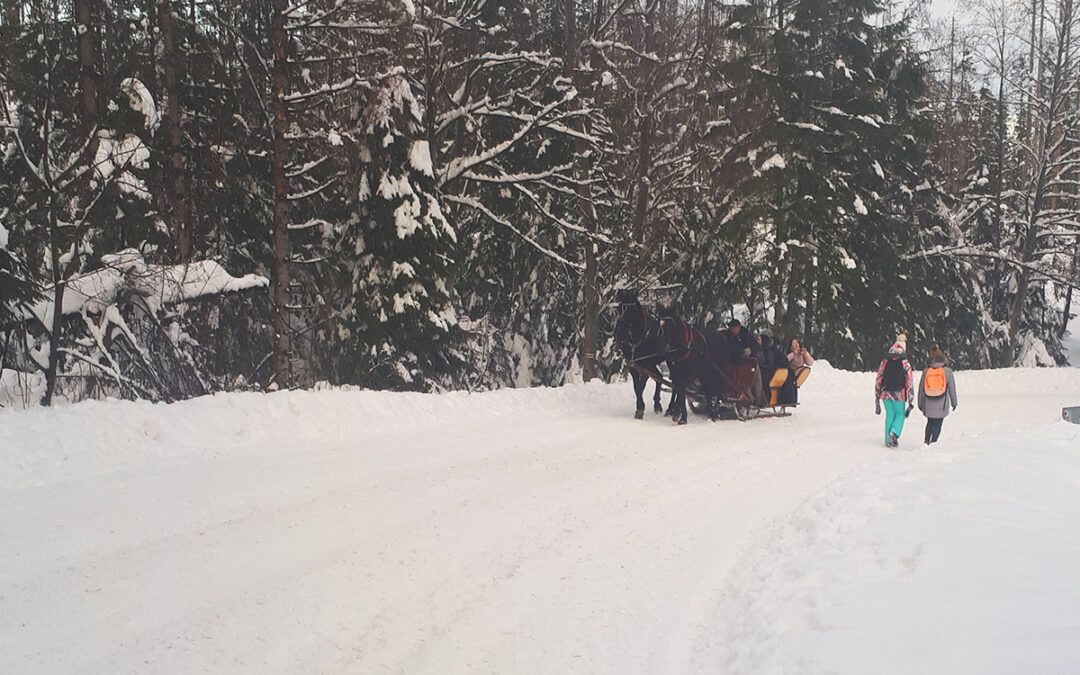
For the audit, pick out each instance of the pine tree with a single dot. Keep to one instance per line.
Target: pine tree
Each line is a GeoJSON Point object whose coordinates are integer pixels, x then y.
{"type": "Point", "coordinates": [395, 324]}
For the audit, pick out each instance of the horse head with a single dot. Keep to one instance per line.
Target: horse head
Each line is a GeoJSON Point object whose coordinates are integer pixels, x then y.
{"type": "Point", "coordinates": [634, 324]}
{"type": "Point", "coordinates": [674, 334]}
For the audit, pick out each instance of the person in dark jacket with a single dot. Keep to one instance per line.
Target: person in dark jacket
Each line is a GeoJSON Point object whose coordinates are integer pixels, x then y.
{"type": "Point", "coordinates": [739, 342]}
{"type": "Point", "coordinates": [937, 394]}
{"type": "Point", "coordinates": [741, 345]}
{"type": "Point", "coordinates": [772, 359]}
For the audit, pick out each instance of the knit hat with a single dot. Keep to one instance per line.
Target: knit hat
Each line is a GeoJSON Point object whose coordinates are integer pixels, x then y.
{"type": "Point", "coordinates": [733, 323]}
{"type": "Point", "coordinates": [897, 349]}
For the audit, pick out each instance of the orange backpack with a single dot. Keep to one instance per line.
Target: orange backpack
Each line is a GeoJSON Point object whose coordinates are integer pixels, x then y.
{"type": "Point", "coordinates": [935, 383]}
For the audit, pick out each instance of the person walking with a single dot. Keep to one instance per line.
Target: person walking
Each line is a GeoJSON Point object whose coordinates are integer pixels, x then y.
{"type": "Point", "coordinates": [894, 387]}
{"type": "Point", "coordinates": [937, 394]}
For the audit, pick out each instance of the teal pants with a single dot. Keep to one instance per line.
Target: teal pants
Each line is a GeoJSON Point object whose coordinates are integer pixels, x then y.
{"type": "Point", "coordinates": [894, 417]}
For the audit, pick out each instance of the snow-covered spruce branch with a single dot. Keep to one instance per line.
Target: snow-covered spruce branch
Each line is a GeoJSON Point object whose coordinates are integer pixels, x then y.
{"type": "Point", "coordinates": [459, 165]}
{"type": "Point", "coordinates": [553, 124]}
{"type": "Point", "coordinates": [602, 45]}
{"type": "Point", "coordinates": [535, 199]}
{"type": "Point", "coordinates": [445, 119]}
{"type": "Point", "coordinates": [502, 177]}
{"type": "Point", "coordinates": [475, 204]}
{"type": "Point", "coordinates": [568, 190]}
{"type": "Point", "coordinates": [1037, 271]}
{"type": "Point", "coordinates": [120, 380]}
{"type": "Point", "coordinates": [347, 83]}
{"type": "Point", "coordinates": [228, 27]}
{"type": "Point", "coordinates": [293, 9]}
{"type": "Point", "coordinates": [541, 59]}
{"type": "Point", "coordinates": [307, 225]}
{"type": "Point", "coordinates": [296, 171]}
{"type": "Point", "coordinates": [367, 27]}
{"type": "Point", "coordinates": [296, 196]}
{"type": "Point", "coordinates": [339, 6]}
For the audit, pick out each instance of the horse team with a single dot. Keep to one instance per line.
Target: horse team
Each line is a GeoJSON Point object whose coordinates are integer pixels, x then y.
{"type": "Point", "coordinates": [705, 361]}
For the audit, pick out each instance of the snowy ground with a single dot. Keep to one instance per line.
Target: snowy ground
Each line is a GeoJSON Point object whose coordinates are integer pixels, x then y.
{"type": "Point", "coordinates": [542, 530]}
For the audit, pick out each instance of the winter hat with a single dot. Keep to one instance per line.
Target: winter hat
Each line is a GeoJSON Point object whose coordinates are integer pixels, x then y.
{"type": "Point", "coordinates": [733, 323]}
{"type": "Point", "coordinates": [765, 332]}
{"type": "Point", "coordinates": [626, 296]}
{"type": "Point", "coordinates": [668, 311]}
{"type": "Point", "coordinates": [897, 349]}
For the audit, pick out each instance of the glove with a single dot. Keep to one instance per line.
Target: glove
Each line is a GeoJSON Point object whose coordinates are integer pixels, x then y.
{"type": "Point", "coordinates": [877, 406]}
{"type": "Point", "coordinates": [908, 411]}
{"type": "Point", "coordinates": [954, 407]}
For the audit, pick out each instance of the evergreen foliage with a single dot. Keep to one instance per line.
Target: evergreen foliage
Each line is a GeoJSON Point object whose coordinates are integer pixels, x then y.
{"type": "Point", "coordinates": [455, 176]}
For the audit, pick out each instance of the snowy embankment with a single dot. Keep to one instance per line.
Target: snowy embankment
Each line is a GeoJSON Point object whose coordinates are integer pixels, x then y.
{"type": "Point", "coordinates": [542, 530]}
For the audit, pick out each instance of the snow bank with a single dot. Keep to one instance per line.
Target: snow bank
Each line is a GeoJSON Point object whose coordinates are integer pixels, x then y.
{"type": "Point", "coordinates": [99, 437]}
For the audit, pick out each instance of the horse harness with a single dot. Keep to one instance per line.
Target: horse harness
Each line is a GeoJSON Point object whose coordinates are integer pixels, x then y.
{"type": "Point", "coordinates": [688, 339]}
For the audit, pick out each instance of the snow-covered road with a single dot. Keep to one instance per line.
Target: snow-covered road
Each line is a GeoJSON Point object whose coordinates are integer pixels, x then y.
{"type": "Point", "coordinates": [541, 530]}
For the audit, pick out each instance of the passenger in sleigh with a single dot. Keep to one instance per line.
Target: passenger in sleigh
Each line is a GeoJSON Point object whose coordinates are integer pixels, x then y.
{"type": "Point", "coordinates": [746, 368]}
{"type": "Point", "coordinates": [776, 372]}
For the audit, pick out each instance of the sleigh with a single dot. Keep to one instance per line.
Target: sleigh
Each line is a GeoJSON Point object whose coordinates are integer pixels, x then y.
{"type": "Point", "coordinates": [737, 399]}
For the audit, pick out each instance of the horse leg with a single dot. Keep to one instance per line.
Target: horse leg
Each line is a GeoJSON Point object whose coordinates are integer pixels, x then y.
{"type": "Point", "coordinates": [670, 411]}
{"type": "Point", "coordinates": [639, 387]}
{"type": "Point", "coordinates": [678, 399]}
{"type": "Point", "coordinates": [656, 395]}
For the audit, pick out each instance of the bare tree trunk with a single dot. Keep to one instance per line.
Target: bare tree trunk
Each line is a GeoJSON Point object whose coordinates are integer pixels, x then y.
{"type": "Point", "coordinates": [1048, 127]}
{"type": "Point", "coordinates": [645, 114]}
{"type": "Point", "coordinates": [56, 329]}
{"type": "Point", "coordinates": [86, 122]}
{"type": "Point", "coordinates": [1027, 108]}
{"type": "Point", "coordinates": [585, 207]}
{"type": "Point", "coordinates": [11, 18]}
{"type": "Point", "coordinates": [641, 184]}
{"type": "Point", "coordinates": [949, 117]}
{"type": "Point", "coordinates": [280, 361]}
{"type": "Point", "coordinates": [177, 190]}
{"type": "Point", "coordinates": [87, 68]}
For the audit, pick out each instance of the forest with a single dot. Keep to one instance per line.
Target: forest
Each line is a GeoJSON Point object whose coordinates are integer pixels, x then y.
{"type": "Point", "coordinates": [209, 195]}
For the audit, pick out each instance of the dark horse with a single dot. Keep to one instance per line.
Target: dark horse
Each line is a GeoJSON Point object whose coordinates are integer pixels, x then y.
{"type": "Point", "coordinates": [692, 355]}
{"type": "Point", "coordinates": [637, 335]}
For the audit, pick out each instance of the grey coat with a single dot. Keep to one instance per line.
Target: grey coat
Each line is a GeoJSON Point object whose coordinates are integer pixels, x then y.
{"type": "Point", "coordinates": [938, 407]}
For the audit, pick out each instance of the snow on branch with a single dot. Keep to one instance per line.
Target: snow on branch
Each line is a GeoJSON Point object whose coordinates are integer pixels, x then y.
{"type": "Point", "coordinates": [347, 83]}
{"type": "Point", "coordinates": [460, 165]}
{"type": "Point", "coordinates": [962, 251]}
{"type": "Point", "coordinates": [602, 45]}
{"type": "Point", "coordinates": [475, 204]}
{"type": "Point", "coordinates": [127, 273]}
{"type": "Point", "coordinates": [542, 59]}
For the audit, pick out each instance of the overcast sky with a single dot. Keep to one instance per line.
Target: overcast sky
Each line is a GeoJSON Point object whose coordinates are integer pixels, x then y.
{"type": "Point", "coordinates": [942, 8]}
